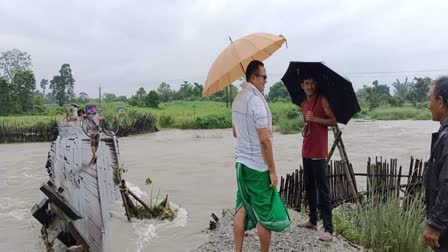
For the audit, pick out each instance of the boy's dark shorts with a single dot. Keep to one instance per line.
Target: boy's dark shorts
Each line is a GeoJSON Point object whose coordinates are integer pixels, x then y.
{"type": "Point", "coordinates": [94, 141]}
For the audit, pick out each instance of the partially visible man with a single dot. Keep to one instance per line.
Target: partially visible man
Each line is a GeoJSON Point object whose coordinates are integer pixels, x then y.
{"type": "Point", "coordinates": [75, 108]}
{"type": "Point", "coordinates": [80, 114]}
{"type": "Point", "coordinates": [258, 203]}
{"type": "Point", "coordinates": [95, 117]}
{"type": "Point", "coordinates": [94, 141]}
{"type": "Point", "coordinates": [318, 116]}
{"type": "Point", "coordinates": [436, 177]}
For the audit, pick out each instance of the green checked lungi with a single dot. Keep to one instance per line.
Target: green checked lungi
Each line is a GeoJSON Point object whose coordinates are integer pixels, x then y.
{"type": "Point", "coordinates": [263, 204]}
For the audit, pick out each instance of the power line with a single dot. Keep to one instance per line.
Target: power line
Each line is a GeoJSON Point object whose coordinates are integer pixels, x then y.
{"type": "Point", "coordinates": [387, 72]}
{"type": "Point", "coordinates": [373, 74]}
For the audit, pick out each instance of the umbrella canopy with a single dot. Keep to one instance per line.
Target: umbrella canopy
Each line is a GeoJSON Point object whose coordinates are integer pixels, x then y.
{"type": "Point", "coordinates": [338, 90]}
{"type": "Point", "coordinates": [232, 62]}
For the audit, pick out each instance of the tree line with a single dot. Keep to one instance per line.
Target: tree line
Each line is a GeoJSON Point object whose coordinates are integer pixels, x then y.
{"type": "Point", "coordinates": [414, 92]}
{"type": "Point", "coordinates": [18, 91]}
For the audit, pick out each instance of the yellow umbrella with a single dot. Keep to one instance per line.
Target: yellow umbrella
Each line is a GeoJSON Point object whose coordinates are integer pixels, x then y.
{"type": "Point", "coordinates": [230, 64]}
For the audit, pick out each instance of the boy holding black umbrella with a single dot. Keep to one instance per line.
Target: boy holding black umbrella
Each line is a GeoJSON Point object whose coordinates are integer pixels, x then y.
{"type": "Point", "coordinates": [318, 116]}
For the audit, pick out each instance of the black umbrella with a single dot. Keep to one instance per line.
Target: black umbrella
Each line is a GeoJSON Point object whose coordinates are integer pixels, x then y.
{"type": "Point", "coordinates": [338, 90]}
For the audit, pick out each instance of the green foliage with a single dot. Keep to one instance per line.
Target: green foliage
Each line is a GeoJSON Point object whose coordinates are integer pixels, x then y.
{"type": "Point", "coordinates": [395, 101]}
{"type": "Point", "coordinates": [421, 88]}
{"type": "Point", "coordinates": [188, 91]}
{"type": "Point", "coordinates": [166, 121]}
{"type": "Point", "coordinates": [43, 85]}
{"type": "Point", "coordinates": [383, 226]}
{"type": "Point", "coordinates": [139, 123]}
{"type": "Point", "coordinates": [13, 61]}
{"type": "Point", "coordinates": [139, 98]}
{"type": "Point", "coordinates": [212, 122]}
{"type": "Point", "coordinates": [152, 100]}
{"type": "Point", "coordinates": [37, 131]}
{"type": "Point", "coordinates": [376, 95]}
{"type": "Point", "coordinates": [401, 89]}
{"type": "Point", "coordinates": [414, 92]}
{"type": "Point", "coordinates": [109, 97]}
{"type": "Point", "coordinates": [19, 95]}
{"type": "Point", "coordinates": [134, 101]}
{"type": "Point", "coordinates": [161, 211]}
{"type": "Point", "coordinates": [28, 120]}
{"type": "Point", "coordinates": [83, 98]}
{"type": "Point", "coordinates": [165, 92]}
{"type": "Point", "coordinates": [185, 91]}
{"type": "Point", "coordinates": [278, 92]}
{"type": "Point", "coordinates": [62, 85]}
{"type": "Point", "coordinates": [140, 94]}
{"type": "Point", "coordinates": [291, 121]}
{"type": "Point", "coordinates": [24, 84]}
{"type": "Point", "coordinates": [399, 113]}
{"type": "Point", "coordinates": [148, 181]}
{"type": "Point", "coordinates": [7, 103]}
{"type": "Point", "coordinates": [38, 105]}
{"type": "Point", "coordinates": [280, 109]}
{"type": "Point", "coordinates": [290, 126]}
{"type": "Point", "coordinates": [294, 113]}
{"type": "Point", "coordinates": [121, 98]}
{"type": "Point", "coordinates": [225, 95]}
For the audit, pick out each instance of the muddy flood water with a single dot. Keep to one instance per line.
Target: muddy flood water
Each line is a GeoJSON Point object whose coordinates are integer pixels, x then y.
{"type": "Point", "coordinates": [194, 167]}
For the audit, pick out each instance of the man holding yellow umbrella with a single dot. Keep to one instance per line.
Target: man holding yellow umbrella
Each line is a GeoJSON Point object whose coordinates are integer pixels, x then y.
{"type": "Point", "coordinates": [258, 203]}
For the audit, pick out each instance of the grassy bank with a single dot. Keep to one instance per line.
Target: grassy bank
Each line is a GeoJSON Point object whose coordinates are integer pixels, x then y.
{"type": "Point", "coordinates": [17, 129]}
{"type": "Point", "coordinates": [383, 226]}
{"type": "Point", "coordinates": [28, 119]}
{"type": "Point", "coordinates": [210, 115]}
{"type": "Point", "coordinates": [286, 117]}
{"type": "Point", "coordinates": [399, 113]}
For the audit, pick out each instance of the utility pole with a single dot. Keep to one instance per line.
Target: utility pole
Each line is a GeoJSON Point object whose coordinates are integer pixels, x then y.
{"type": "Point", "coordinates": [100, 95]}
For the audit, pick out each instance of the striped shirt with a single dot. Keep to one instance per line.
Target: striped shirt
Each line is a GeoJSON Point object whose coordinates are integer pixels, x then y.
{"type": "Point", "coordinates": [250, 112]}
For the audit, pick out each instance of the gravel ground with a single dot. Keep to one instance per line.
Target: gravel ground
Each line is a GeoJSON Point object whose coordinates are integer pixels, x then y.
{"type": "Point", "coordinates": [292, 239]}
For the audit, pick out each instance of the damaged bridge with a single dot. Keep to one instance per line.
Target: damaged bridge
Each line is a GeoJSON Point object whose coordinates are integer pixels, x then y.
{"type": "Point", "coordinates": [79, 192]}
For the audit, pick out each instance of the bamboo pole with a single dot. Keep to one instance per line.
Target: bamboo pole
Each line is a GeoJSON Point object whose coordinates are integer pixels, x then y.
{"type": "Point", "coordinates": [344, 157]}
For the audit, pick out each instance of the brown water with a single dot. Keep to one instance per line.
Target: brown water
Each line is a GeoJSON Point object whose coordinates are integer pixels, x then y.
{"type": "Point", "coordinates": [195, 167]}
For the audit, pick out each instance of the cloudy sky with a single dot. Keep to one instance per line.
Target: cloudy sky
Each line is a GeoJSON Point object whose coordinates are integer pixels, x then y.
{"type": "Point", "coordinates": [123, 45]}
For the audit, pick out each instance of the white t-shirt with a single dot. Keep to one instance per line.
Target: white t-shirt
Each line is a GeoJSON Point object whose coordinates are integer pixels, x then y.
{"type": "Point", "coordinates": [250, 112]}
{"type": "Point", "coordinates": [75, 112]}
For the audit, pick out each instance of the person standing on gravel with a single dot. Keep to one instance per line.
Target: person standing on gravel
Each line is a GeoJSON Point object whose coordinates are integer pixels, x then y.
{"type": "Point", "coordinates": [258, 203]}
{"type": "Point", "coordinates": [318, 116]}
{"type": "Point", "coordinates": [435, 234]}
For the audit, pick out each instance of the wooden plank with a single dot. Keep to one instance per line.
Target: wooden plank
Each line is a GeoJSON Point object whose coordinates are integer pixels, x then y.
{"type": "Point", "coordinates": [291, 188]}
{"type": "Point", "coordinates": [64, 205]}
{"type": "Point", "coordinates": [296, 189]}
{"type": "Point", "coordinates": [282, 182]}
{"type": "Point", "coordinates": [88, 189]}
{"type": "Point", "coordinates": [337, 138]}
{"type": "Point", "coordinates": [330, 177]}
{"type": "Point", "coordinates": [368, 182]}
{"type": "Point", "coordinates": [78, 237]}
{"type": "Point", "coordinates": [398, 183]}
{"type": "Point", "coordinates": [286, 189]}
{"type": "Point", "coordinates": [301, 193]}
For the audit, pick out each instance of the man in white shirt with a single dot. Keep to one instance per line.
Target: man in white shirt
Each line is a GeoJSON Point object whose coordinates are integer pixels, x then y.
{"type": "Point", "coordinates": [258, 203]}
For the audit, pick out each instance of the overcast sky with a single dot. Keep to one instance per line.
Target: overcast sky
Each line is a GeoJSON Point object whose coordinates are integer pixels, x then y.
{"type": "Point", "coordinates": [124, 45]}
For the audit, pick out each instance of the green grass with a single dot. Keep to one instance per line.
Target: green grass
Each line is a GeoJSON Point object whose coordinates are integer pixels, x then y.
{"type": "Point", "coordinates": [286, 117]}
{"type": "Point", "coordinates": [290, 126]}
{"type": "Point", "coordinates": [383, 226]}
{"type": "Point", "coordinates": [28, 120]}
{"type": "Point", "coordinates": [210, 115]}
{"type": "Point", "coordinates": [399, 113]}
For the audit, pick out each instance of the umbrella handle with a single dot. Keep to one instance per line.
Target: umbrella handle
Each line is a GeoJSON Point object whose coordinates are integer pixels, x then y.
{"type": "Point", "coordinates": [306, 130]}
{"type": "Point", "coordinates": [242, 68]}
